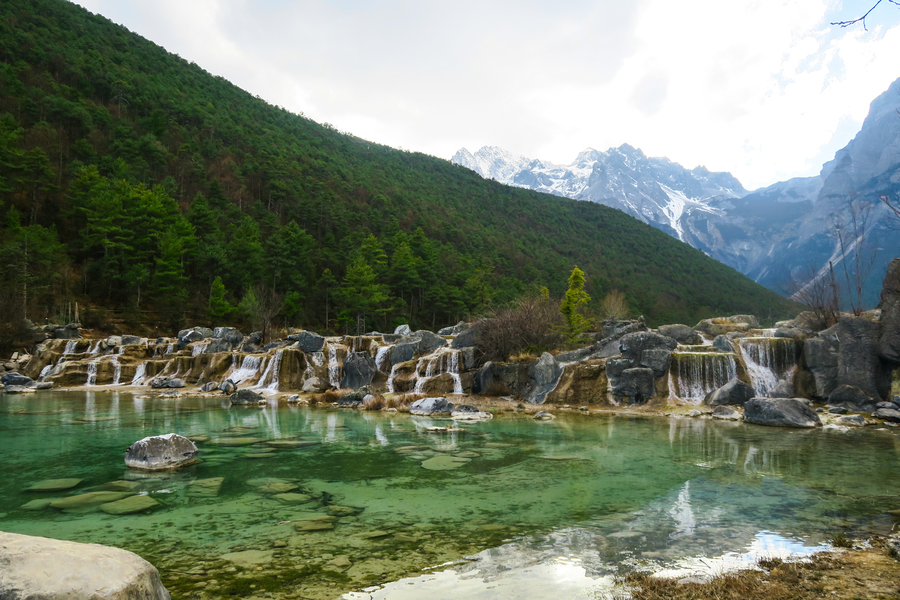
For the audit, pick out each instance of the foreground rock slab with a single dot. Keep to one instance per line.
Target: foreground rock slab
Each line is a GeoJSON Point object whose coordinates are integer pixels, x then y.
{"type": "Point", "coordinates": [36, 567]}
{"type": "Point", "coordinates": [159, 452]}
{"type": "Point", "coordinates": [780, 412]}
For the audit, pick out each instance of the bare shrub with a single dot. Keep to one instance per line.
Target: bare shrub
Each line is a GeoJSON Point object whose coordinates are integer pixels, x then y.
{"type": "Point", "coordinates": [614, 305]}
{"type": "Point", "coordinates": [818, 290]}
{"type": "Point", "coordinates": [374, 403]}
{"type": "Point", "coordinates": [531, 324]}
{"type": "Point", "coordinates": [325, 397]}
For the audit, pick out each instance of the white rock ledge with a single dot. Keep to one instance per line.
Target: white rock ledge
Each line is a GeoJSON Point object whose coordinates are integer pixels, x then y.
{"type": "Point", "coordinates": [37, 567]}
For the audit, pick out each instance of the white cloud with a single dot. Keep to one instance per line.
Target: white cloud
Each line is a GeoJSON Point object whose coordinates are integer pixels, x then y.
{"type": "Point", "coordinates": [764, 89]}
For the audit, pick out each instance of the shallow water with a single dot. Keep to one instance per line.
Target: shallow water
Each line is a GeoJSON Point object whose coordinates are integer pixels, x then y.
{"type": "Point", "coordinates": [510, 507]}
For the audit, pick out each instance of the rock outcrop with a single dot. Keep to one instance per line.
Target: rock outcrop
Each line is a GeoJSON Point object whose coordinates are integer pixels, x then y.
{"type": "Point", "coordinates": [889, 342]}
{"type": "Point", "coordinates": [645, 358]}
{"type": "Point", "coordinates": [735, 392]}
{"type": "Point", "coordinates": [160, 452]}
{"type": "Point", "coordinates": [246, 397]}
{"type": "Point", "coordinates": [780, 412]}
{"type": "Point", "coordinates": [37, 567]}
{"type": "Point", "coordinates": [431, 406]}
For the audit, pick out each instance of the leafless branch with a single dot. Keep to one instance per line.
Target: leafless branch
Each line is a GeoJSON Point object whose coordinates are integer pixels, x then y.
{"type": "Point", "coordinates": [863, 18]}
{"type": "Point", "coordinates": [892, 203]}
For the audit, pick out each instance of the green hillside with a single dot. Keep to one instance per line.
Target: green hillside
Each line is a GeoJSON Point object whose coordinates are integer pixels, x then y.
{"type": "Point", "coordinates": [134, 180]}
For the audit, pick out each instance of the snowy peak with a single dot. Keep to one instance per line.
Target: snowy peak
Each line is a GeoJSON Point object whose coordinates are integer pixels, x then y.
{"type": "Point", "coordinates": [492, 162]}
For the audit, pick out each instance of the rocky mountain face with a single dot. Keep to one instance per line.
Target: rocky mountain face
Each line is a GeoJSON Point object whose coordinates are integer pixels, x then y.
{"type": "Point", "coordinates": [781, 236]}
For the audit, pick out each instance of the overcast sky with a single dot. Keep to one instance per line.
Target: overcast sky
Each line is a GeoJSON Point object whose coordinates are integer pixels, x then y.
{"type": "Point", "coordinates": [766, 89]}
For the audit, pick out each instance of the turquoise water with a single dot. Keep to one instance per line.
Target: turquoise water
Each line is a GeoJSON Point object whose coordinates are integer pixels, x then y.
{"type": "Point", "coordinates": [313, 503]}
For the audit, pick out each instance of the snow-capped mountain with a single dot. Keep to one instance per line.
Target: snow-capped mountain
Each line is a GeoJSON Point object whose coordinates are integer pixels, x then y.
{"type": "Point", "coordinates": [654, 190]}
{"type": "Point", "coordinates": [777, 235]}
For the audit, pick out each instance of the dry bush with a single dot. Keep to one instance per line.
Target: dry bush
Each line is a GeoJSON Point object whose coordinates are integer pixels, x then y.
{"type": "Point", "coordinates": [531, 324]}
{"type": "Point", "coordinates": [614, 306]}
{"type": "Point", "coordinates": [325, 398]}
{"type": "Point", "coordinates": [374, 403]}
{"type": "Point", "coordinates": [401, 401]}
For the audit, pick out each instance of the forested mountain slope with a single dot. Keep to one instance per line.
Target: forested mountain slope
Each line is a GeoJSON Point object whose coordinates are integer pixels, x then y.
{"type": "Point", "coordinates": [135, 180]}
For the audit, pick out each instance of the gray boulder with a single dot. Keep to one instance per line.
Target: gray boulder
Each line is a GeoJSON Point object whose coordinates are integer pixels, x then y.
{"type": "Point", "coordinates": [133, 340]}
{"type": "Point", "coordinates": [314, 385]}
{"type": "Point", "coordinates": [308, 341]}
{"type": "Point", "coordinates": [789, 332]}
{"type": "Point", "coordinates": [850, 421]}
{"type": "Point", "coordinates": [454, 330]}
{"type": "Point", "coordinates": [896, 400]}
{"type": "Point", "coordinates": [175, 382]}
{"type": "Point", "coordinates": [359, 370]}
{"type": "Point", "coordinates": [543, 375]}
{"type": "Point", "coordinates": [467, 338]}
{"type": "Point", "coordinates": [851, 398]}
{"type": "Point", "coordinates": [431, 406]}
{"type": "Point", "coordinates": [229, 334]}
{"type": "Point", "coordinates": [890, 405]}
{"type": "Point", "coordinates": [820, 354]}
{"type": "Point", "coordinates": [68, 332]}
{"type": "Point", "coordinates": [160, 452]}
{"type": "Point", "coordinates": [246, 397]}
{"type": "Point", "coordinates": [353, 399]}
{"type": "Point", "coordinates": [681, 334]}
{"type": "Point", "coordinates": [428, 341]}
{"type": "Point", "coordinates": [37, 567]}
{"type": "Point", "coordinates": [484, 379]}
{"type": "Point", "coordinates": [255, 338]}
{"type": "Point", "coordinates": [402, 330]}
{"type": "Point", "coordinates": [735, 392]}
{"type": "Point", "coordinates": [159, 382]}
{"type": "Point", "coordinates": [656, 360]}
{"type": "Point", "coordinates": [633, 345]}
{"type": "Point", "coordinates": [210, 386]}
{"type": "Point", "coordinates": [469, 358]}
{"type": "Point", "coordinates": [780, 412]}
{"type": "Point", "coordinates": [889, 340]}
{"type": "Point", "coordinates": [403, 351]}
{"type": "Point", "coordinates": [726, 413]}
{"type": "Point", "coordinates": [784, 389]}
{"type": "Point", "coordinates": [613, 328]}
{"type": "Point", "coordinates": [228, 387]}
{"type": "Point", "coordinates": [887, 414]}
{"type": "Point", "coordinates": [635, 386]}
{"type": "Point", "coordinates": [14, 378]}
{"type": "Point", "coordinates": [858, 362]}
{"type": "Point", "coordinates": [722, 344]}
{"type": "Point", "coordinates": [218, 345]}
{"type": "Point", "coordinates": [544, 416]}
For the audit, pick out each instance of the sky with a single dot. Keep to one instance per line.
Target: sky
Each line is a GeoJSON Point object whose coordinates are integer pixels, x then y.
{"type": "Point", "coordinates": [765, 89]}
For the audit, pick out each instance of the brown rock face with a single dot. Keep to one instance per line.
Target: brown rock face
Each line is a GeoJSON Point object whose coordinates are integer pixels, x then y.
{"type": "Point", "coordinates": [889, 343]}
{"type": "Point", "coordinates": [582, 383]}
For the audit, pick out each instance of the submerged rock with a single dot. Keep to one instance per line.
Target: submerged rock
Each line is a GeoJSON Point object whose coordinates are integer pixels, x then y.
{"type": "Point", "coordinates": [850, 421]}
{"type": "Point", "coordinates": [726, 413]}
{"type": "Point", "coordinates": [543, 416]}
{"type": "Point", "coordinates": [130, 505]}
{"type": "Point", "coordinates": [158, 452]}
{"type": "Point", "coordinates": [780, 412]}
{"type": "Point", "coordinates": [53, 485]}
{"type": "Point", "coordinates": [468, 412]}
{"type": "Point", "coordinates": [36, 567]}
{"type": "Point", "coordinates": [88, 500]}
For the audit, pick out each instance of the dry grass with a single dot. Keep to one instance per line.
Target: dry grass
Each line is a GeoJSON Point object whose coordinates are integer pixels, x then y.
{"type": "Point", "coordinates": [857, 574]}
{"type": "Point", "coordinates": [324, 398]}
{"type": "Point", "coordinates": [401, 401]}
{"type": "Point", "coordinates": [376, 402]}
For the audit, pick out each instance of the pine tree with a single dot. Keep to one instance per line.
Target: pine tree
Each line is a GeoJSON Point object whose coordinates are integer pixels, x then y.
{"type": "Point", "coordinates": [576, 297]}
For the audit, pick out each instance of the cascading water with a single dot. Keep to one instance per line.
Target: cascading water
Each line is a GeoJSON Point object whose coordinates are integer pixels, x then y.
{"type": "Point", "coordinates": [91, 373]}
{"type": "Point", "coordinates": [334, 367]}
{"type": "Point", "coordinates": [390, 380]}
{"type": "Point", "coordinates": [198, 349]}
{"type": "Point", "coordinates": [249, 367]}
{"type": "Point", "coordinates": [692, 375]}
{"type": "Point", "coordinates": [768, 361]}
{"type": "Point", "coordinates": [445, 360]}
{"type": "Point", "coordinates": [70, 347]}
{"type": "Point", "coordinates": [170, 348]}
{"type": "Point", "coordinates": [139, 374]}
{"type": "Point", "coordinates": [269, 378]}
{"type": "Point", "coordinates": [381, 357]}
{"type": "Point", "coordinates": [45, 371]}
{"type": "Point", "coordinates": [117, 374]}
{"type": "Point", "coordinates": [96, 349]}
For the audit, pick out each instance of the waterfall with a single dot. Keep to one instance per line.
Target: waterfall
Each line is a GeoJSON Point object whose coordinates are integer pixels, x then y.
{"type": "Point", "coordinates": [70, 347]}
{"type": "Point", "coordinates": [44, 372]}
{"type": "Point", "coordinates": [249, 367]}
{"type": "Point", "coordinates": [445, 360]}
{"type": "Point", "coordinates": [390, 381]}
{"type": "Point", "coordinates": [381, 357]}
{"type": "Point", "coordinates": [139, 374]}
{"type": "Point", "coordinates": [198, 349]}
{"type": "Point", "coordinates": [768, 361]}
{"type": "Point", "coordinates": [692, 375]}
{"type": "Point", "coordinates": [96, 349]}
{"type": "Point", "coordinates": [334, 367]}
{"type": "Point", "coordinates": [91, 373]}
{"type": "Point", "coordinates": [118, 370]}
{"type": "Point", "coordinates": [270, 375]}
{"type": "Point", "coordinates": [170, 348]}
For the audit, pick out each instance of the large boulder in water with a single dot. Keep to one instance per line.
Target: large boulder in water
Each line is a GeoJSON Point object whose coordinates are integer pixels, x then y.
{"type": "Point", "coordinates": [37, 567]}
{"type": "Point", "coordinates": [246, 397]}
{"type": "Point", "coordinates": [780, 412]}
{"type": "Point", "coordinates": [543, 375]}
{"type": "Point", "coordinates": [160, 452]}
{"type": "Point", "coordinates": [15, 379]}
{"type": "Point", "coordinates": [681, 334]}
{"type": "Point", "coordinates": [431, 406]}
{"type": "Point", "coordinates": [359, 370]}
{"type": "Point", "coordinates": [308, 341]}
{"type": "Point", "coordinates": [735, 392]}
{"type": "Point", "coordinates": [889, 342]}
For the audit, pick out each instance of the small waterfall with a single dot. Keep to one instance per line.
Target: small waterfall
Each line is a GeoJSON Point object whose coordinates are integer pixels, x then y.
{"type": "Point", "coordinates": [198, 348]}
{"type": "Point", "coordinates": [334, 367]}
{"type": "Point", "coordinates": [170, 348]}
{"type": "Point", "coordinates": [445, 360]}
{"type": "Point", "coordinates": [249, 367]}
{"type": "Point", "coordinates": [381, 357]}
{"type": "Point", "coordinates": [117, 375]}
{"type": "Point", "coordinates": [139, 374]}
{"type": "Point", "coordinates": [44, 371]}
{"type": "Point", "coordinates": [768, 361]}
{"type": "Point", "coordinates": [692, 375]}
{"type": "Point", "coordinates": [70, 347]}
{"type": "Point", "coordinates": [92, 373]}
{"type": "Point", "coordinates": [270, 375]}
{"type": "Point", "coordinates": [96, 349]}
{"type": "Point", "coordinates": [390, 381]}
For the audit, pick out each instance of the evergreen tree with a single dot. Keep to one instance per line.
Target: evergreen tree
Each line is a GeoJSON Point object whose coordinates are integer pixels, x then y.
{"type": "Point", "coordinates": [575, 298]}
{"type": "Point", "coordinates": [219, 309]}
